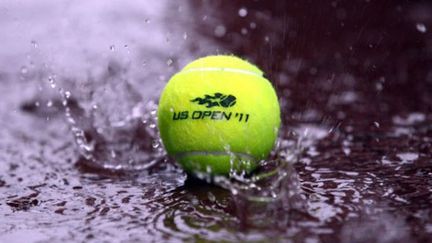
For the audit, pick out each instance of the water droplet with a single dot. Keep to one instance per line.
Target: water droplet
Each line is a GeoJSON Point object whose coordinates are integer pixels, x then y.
{"type": "Point", "coordinates": [49, 103]}
{"type": "Point", "coordinates": [244, 31]}
{"type": "Point", "coordinates": [211, 197]}
{"type": "Point", "coordinates": [112, 47]}
{"type": "Point", "coordinates": [376, 124]}
{"type": "Point", "coordinates": [169, 62]}
{"type": "Point", "coordinates": [267, 39]}
{"type": "Point", "coordinates": [155, 144]}
{"type": "Point", "coordinates": [407, 157]}
{"type": "Point", "coordinates": [34, 44]}
{"type": "Point", "coordinates": [421, 27]}
{"type": "Point", "coordinates": [51, 81]}
{"type": "Point", "coordinates": [252, 25]}
{"type": "Point", "coordinates": [147, 21]}
{"type": "Point", "coordinates": [24, 70]}
{"type": "Point", "coordinates": [220, 31]}
{"type": "Point", "coordinates": [379, 86]}
{"type": "Point", "coordinates": [67, 94]}
{"type": "Point", "coordinates": [242, 12]}
{"type": "Point", "coordinates": [185, 36]}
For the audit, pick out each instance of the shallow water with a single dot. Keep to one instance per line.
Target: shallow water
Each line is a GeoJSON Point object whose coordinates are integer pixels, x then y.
{"type": "Point", "coordinates": [355, 149]}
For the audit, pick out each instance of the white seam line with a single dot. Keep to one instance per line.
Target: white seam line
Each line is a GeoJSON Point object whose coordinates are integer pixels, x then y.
{"type": "Point", "coordinates": [183, 154]}
{"type": "Point", "coordinates": [233, 70]}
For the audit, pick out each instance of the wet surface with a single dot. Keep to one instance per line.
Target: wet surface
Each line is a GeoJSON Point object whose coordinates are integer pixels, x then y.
{"type": "Point", "coordinates": [355, 151]}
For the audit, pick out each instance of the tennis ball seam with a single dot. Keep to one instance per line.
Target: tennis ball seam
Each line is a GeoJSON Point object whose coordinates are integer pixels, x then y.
{"type": "Point", "coordinates": [214, 153]}
{"type": "Point", "coordinates": [217, 69]}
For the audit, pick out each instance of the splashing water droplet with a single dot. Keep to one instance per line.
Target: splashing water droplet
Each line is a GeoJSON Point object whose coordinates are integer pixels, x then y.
{"type": "Point", "coordinates": [169, 62]}
{"type": "Point", "coordinates": [242, 12]}
{"type": "Point", "coordinates": [24, 70]}
{"type": "Point", "coordinates": [51, 81]}
{"type": "Point", "coordinates": [67, 94]}
{"type": "Point", "coordinates": [220, 31]}
{"type": "Point", "coordinates": [421, 27]}
{"type": "Point", "coordinates": [155, 144]}
{"type": "Point", "coordinates": [34, 44]}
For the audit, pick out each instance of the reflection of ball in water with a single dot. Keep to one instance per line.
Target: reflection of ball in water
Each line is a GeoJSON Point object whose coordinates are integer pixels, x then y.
{"type": "Point", "coordinates": [219, 113]}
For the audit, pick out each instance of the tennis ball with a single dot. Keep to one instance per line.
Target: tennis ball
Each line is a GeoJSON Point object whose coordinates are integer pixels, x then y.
{"type": "Point", "coordinates": [219, 113]}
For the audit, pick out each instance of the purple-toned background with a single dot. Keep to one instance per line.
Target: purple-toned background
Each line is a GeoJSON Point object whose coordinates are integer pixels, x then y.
{"type": "Point", "coordinates": [354, 80]}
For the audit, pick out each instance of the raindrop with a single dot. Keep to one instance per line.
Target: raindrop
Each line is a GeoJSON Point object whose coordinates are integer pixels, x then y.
{"type": "Point", "coordinates": [421, 27]}
{"type": "Point", "coordinates": [169, 62]}
{"type": "Point", "coordinates": [244, 31]}
{"type": "Point", "coordinates": [220, 31]}
{"type": "Point", "coordinates": [242, 12]}
{"type": "Point", "coordinates": [67, 94]}
{"type": "Point", "coordinates": [34, 44]}
{"type": "Point", "coordinates": [147, 21]}
{"type": "Point", "coordinates": [24, 70]}
{"type": "Point", "coordinates": [49, 103]}
{"type": "Point", "coordinates": [52, 82]}
{"type": "Point", "coordinates": [379, 86]}
{"type": "Point", "coordinates": [376, 124]}
{"type": "Point", "coordinates": [112, 47]}
{"type": "Point", "coordinates": [155, 144]}
{"type": "Point", "coordinates": [252, 25]}
{"type": "Point", "coordinates": [211, 197]}
{"type": "Point", "coordinates": [267, 39]}
{"type": "Point", "coordinates": [185, 36]}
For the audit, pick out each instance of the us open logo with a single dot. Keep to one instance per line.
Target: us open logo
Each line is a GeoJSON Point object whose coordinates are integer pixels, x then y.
{"type": "Point", "coordinates": [224, 101]}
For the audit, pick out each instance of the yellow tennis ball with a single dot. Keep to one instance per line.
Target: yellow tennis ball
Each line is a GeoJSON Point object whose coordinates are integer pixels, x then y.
{"type": "Point", "coordinates": [219, 113]}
